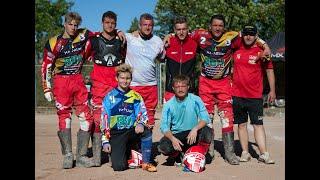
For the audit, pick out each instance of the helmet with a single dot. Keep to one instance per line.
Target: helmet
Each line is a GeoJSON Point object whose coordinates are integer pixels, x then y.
{"type": "Point", "coordinates": [136, 159]}
{"type": "Point", "coordinates": [194, 158]}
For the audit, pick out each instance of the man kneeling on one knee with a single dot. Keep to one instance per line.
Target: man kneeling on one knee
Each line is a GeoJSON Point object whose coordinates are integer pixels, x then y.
{"type": "Point", "coordinates": [124, 123]}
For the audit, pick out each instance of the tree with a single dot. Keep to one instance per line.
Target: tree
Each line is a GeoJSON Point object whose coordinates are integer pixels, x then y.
{"type": "Point", "coordinates": [268, 15]}
{"type": "Point", "coordinates": [134, 25]}
{"type": "Point", "coordinates": [48, 21]}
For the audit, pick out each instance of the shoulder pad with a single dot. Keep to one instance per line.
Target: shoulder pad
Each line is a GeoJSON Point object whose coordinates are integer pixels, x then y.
{"type": "Point", "coordinates": [82, 35]}
{"type": "Point", "coordinates": [53, 42]}
{"type": "Point", "coordinates": [228, 35]}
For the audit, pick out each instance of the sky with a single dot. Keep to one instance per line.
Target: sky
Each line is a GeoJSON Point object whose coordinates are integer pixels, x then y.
{"type": "Point", "coordinates": [91, 11]}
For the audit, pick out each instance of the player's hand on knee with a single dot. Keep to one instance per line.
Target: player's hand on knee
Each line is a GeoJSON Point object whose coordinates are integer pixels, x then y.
{"type": "Point", "coordinates": [176, 143]}
{"type": "Point", "coordinates": [107, 148]}
{"type": "Point", "coordinates": [192, 136]}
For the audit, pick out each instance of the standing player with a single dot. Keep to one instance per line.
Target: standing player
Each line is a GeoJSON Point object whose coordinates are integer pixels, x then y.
{"type": "Point", "coordinates": [142, 53]}
{"type": "Point", "coordinates": [63, 58]}
{"type": "Point", "coordinates": [108, 52]}
{"type": "Point", "coordinates": [180, 56]}
{"type": "Point", "coordinates": [216, 49]}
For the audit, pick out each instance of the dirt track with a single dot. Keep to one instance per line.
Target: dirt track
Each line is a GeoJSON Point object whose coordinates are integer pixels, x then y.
{"type": "Point", "coordinates": [48, 158]}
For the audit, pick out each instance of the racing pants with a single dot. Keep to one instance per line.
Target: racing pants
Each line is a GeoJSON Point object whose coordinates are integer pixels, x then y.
{"type": "Point", "coordinates": [99, 91]}
{"type": "Point", "coordinates": [70, 90]}
{"type": "Point", "coordinates": [218, 91]}
{"type": "Point", "coordinates": [204, 139]}
{"type": "Point", "coordinates": [150, 98]}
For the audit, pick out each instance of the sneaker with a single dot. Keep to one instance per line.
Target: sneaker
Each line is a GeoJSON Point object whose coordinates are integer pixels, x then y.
{"type": "Point", "coordinates": [245, 156]}
{"type": "Point", "coordinates": [265, 158]}
{"type": "Point", "coordinates": [148, 167]}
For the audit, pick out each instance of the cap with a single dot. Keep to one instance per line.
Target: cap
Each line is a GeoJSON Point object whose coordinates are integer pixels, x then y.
{"type": "Point", "coordinates": [249, 30]}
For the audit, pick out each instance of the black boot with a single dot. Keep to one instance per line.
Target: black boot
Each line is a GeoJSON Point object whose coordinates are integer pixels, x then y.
{"type": "Point", "coordinates": [96, 149]}
{"type": "Point", "coordinates": [82, 148]}
{"type": "Point", "coordinates": [228, 143]}
{"type": "Point", "coordinates": [66, 148]}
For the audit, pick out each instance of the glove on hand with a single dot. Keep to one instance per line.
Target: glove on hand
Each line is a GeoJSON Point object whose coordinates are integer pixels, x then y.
{"type": "Point", "coordinates": [48, 96]}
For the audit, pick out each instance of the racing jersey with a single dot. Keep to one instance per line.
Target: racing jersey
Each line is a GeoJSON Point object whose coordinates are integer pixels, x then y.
{"type": "Point", "coordinates": [178, 116]}
{"type": "Point", "coordinates": [247, 74]}
{"type": "Point", "coordinates": [141, 56]}
{"type": "Point", "coordinates": [216, 55]}
{"type": "Point", "coordinates": [180, 59]}
{"type": "Point", "coordinates": [64, 56]}
{"type": "Point", "coordinates": [106, 55]}
{"type": "Point", "coordinates": [120, 111]}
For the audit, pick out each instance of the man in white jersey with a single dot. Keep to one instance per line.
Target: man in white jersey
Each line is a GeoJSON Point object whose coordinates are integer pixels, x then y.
{"type": "Point", "coordinates": [142, 52]}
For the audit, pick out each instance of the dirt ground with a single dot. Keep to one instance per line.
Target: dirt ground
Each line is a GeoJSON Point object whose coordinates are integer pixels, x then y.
{"type": "Point", "coordinates": [48, 158]}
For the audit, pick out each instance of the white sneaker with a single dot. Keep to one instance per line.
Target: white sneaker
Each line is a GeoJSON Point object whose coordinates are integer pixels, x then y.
{"type": "Point", "coordinates": [265, 158]}
{"type": "Point", "coordinates": [245, 156]}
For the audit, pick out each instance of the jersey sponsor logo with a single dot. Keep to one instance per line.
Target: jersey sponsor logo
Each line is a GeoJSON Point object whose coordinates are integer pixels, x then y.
{"type": "Point", "coordinates": [123, 122]}
{"type": "Point", "coordinates": [252, 59]}
{"type": "Point", "coordinates": [72, 50]}
{"type": "Point", "coordinates": [189, 52]}
{"type": "Point", "coordinates": [72, 60]}
{"type": "Point", "coordinates": [109, 59]}
{"type": "Point", "coordinates": [216, 53]}
{"type": "Point", "coordinates": [174, 52]}
{"type": "Point", "coordinates": [124, 109]}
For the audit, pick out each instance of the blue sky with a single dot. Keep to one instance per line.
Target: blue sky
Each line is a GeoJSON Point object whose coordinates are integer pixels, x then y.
{"type": "Point", "coordinates": [92, 10]}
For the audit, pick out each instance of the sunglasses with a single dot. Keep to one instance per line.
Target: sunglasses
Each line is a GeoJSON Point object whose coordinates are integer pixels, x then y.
{"type": "Point", "coordinates": [249, 33]}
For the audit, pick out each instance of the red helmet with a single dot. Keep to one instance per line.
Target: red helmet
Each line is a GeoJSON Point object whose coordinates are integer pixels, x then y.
{"type": "Point", "coordinates": [194, 158]}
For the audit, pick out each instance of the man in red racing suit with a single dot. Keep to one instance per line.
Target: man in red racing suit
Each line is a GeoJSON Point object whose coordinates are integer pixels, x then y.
{"type": "Point", "coordinates": [108, 52]}
{"type": "Point", "coordinates": [216, 49]}
{"type": "Point", "coordinates": [63, 58]}
{"type": "Point", "coordinates": [180, 57]}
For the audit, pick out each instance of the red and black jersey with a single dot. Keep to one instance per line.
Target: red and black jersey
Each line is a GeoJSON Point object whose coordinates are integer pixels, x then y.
{"type": "Point", "coordinates": [106, 52]}
{"type": "Point", "coordinates": [180, 59]}
{"type": "Point", "coordinates": [216, 55]}
{"type": "Point", "coordinates": [64, 56]}
{"type": "Point", "coordinates": [106, 55]}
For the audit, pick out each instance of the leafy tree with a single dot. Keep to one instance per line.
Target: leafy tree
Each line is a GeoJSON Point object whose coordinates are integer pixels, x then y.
{"type": "Point", "coordinates": [134, 25]}
{"type": "Point", "coordinates": [268, 15]}
{"type": "Point", "coordinates": [48, 21]}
